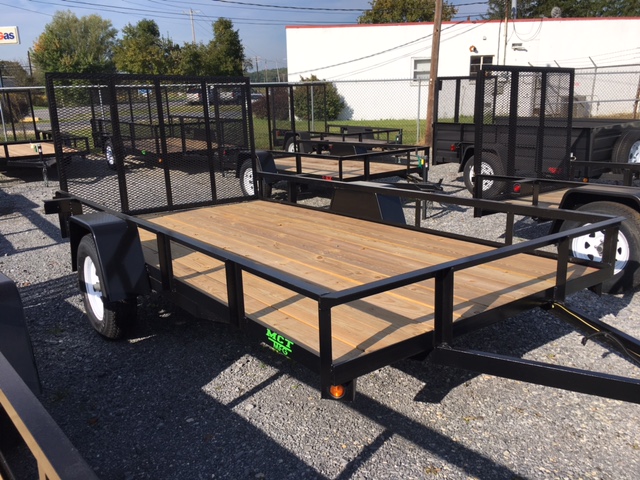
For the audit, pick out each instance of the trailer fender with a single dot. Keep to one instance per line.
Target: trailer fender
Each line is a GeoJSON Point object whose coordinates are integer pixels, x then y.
{"type": "Point", "coordinates": [575, 198]}
{"type": "Point", "coordinates": [264, 161]}
{"type": "Point", "coordinates": [119, 251]}
{"type": "Point", "coordinates": [466, 152]}
{"type": "Point", "coordinates": [15, 343]}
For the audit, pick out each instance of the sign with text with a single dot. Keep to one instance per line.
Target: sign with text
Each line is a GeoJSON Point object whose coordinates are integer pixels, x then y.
{"type": "Point", "coordinates": [9, 35]}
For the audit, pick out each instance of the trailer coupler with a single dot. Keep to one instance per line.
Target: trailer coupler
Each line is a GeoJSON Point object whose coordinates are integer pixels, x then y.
{"type": "Point", "coordinates": [596, 329]}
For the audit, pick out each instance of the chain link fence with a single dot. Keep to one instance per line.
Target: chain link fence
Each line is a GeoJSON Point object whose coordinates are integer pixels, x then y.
{"type": "Point", "coordinates": [400, 104]}
{"type": "Point", "coordinates": [599, 92]}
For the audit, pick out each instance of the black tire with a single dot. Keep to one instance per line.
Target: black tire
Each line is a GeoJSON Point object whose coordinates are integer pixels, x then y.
{"type": "Point", "coordinates": [110, 319]}
{"type": "Point", "coordinates": [587, 247]}
{"type": "Point", "coordinates": [110, 154]}
{"type": "Point", "coordinates": [627, 147]}
{"type": "Point", "coordinates": [246, 181]}
{"type": "Point", "coordinates": [290, 146]}
{"type": "Point", "coordinates": [491, 165]}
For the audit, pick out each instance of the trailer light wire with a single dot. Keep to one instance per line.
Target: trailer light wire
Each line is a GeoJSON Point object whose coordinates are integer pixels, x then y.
{"type": "Point", "coordinates": [632, 356]}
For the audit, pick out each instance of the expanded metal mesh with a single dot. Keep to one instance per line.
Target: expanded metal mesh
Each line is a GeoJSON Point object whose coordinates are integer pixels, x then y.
{"type": "Point", "coordinates": [286, 107]}
{"type": "Point", "coordinates": [326, 107]}
{"type": "Point", "coordinates": [21, 110]}
{"type": "Point", "coordinates": [156, 142]}
{"type": "Point", "coordinates": [523, 123]}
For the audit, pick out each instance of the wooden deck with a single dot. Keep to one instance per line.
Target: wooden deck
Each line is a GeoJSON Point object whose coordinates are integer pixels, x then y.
{"type": "Point", "coordinates": [329, 168]}
{"type": "Point", "coordinates": [27, 150]}
{"type": "Point", "coordinates": [174, 145]}
{"type": "Point", "coordinates": [338, 253]}
{"type": "Point", "coordinates": [545, 200]}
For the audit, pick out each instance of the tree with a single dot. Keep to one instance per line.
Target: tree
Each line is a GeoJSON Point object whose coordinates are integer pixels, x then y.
{"type": "Point", "coordinates": [143, 50]}
{"type": "Point", "coordinates": [191, 59]}
{"type": "Point", "coordinates": [75, 45]}
{"type": "Point", "coordinates": [223, 55]}
{"type": "Point", "coordinates": [16, 72]}
{"type": "Point", "coordinates": [404, 11]}
{"type": "Point", "coordinates": [226, 53]}
{"type": "Point", "coordinates": [565, 8]}
{"type": "Point", "coordinates": [328, 93]}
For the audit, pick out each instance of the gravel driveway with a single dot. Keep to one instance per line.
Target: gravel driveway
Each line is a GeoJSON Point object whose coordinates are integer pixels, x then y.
{"type": "Point", "coordinates": [189, 399]}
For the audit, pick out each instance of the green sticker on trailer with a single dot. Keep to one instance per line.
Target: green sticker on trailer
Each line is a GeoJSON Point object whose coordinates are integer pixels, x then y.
{"type": "Point", "coordinates": [279, 343]}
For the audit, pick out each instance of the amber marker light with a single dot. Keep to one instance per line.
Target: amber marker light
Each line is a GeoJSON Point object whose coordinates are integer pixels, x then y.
{"type": "Point", "coordinates": [337, 391]}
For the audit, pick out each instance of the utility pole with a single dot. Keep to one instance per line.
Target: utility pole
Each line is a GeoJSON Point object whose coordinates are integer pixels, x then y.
{"type": "Point", "coordinates": [193, 30]}
{"type": "Point", "coordinates": [506, 31]}
{"type": "Point", "coordinates": [433, 75]}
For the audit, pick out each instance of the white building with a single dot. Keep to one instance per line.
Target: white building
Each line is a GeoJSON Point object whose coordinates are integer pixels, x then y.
{"type": "Point", "coordinates": [403, 51]}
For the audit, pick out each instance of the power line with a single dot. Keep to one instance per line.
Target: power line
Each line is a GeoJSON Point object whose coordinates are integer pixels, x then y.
{"type": "Point", "coordinates": [283, 7]}
{"type": "Point", "coordinates": [391, 49]}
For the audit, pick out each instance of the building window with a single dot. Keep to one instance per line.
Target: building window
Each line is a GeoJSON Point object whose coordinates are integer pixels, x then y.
{"type": "Point", "coordinates": [479, 61]}
{"type": "Point", "coordinates": [421, 68]}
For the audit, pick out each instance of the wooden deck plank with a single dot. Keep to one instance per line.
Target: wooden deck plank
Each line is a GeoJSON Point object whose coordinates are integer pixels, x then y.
{"type": "Point", "coordinates": [295, 314]}
{"type": "Point", "coordinates": [343, 253]}
{"type": "Point", "coordinates": [306, 311]}
{"type": "Point", "coordinates": [349, 256]}
{"type": "Point", "coordinates": [308, 262]}
{"type": "Point", "coordinates": [174, 145]}
{"type": "Point", "coordinates": [326, 167]}
{"type": "Point", "coordinates": [550, 199]}
{"type": "Point", "coordinates": [24, 150]}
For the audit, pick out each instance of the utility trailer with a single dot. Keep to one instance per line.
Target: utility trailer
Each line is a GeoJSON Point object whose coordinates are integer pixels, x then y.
{"type": "Point", "coordinates": [344, 291]}
{"type": "Point", "coordinates": [25, 144]}
{"type": "Point", "coordinates": [550, 174]}
{"type": "Point", "coordinates": [284, 106]}
{"type": "Point", "coordinates": [334, 151]}
{"type": "Point", "coordinates": [568, 129]}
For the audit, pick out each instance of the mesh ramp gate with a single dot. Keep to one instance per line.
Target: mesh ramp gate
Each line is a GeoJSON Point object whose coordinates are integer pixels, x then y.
{"type": "Point", "coordinates": [162, 142]}
{"type": "Point", "coordinates": [523, 123]}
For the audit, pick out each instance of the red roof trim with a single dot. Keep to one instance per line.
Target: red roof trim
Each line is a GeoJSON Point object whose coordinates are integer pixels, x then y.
{"type": "Point", "coordinates": [466, 22]}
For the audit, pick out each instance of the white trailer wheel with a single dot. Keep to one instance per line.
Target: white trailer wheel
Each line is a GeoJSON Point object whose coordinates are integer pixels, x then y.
{"type": "Point", "coordinates": [111, 319]}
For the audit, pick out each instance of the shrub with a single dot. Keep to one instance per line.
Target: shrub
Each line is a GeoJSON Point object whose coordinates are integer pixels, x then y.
{"type": "Point", "coordinates": [327, 102]}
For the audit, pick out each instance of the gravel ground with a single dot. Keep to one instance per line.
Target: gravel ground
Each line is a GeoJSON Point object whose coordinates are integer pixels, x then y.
{"type": "Point", "coordinates": [189, 399]}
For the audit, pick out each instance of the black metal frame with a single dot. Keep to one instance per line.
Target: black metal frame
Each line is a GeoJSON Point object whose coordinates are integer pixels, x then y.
{"type": "Point", "coordinates": [407, 162]}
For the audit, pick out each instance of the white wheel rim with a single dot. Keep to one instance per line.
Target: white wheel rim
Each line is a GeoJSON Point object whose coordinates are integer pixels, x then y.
{"type": "Point", "coordinates": [92, 288]}
{"type": "Point", "coordinates": [485, 169]}
{"type": "Point", "coordinates": [109, 154]}
{"type": "Point", "coordinates": [292, 147]}
{"type": "Point", "coordinates": [589, 247]}
{"type": "Point", "coordinates": [634, 153]}
{"type": "Point", "coordinates": [247, 181]}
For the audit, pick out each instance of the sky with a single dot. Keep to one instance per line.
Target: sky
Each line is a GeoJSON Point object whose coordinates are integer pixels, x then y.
{"type": "Point", "coordinates": [260, 23]}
